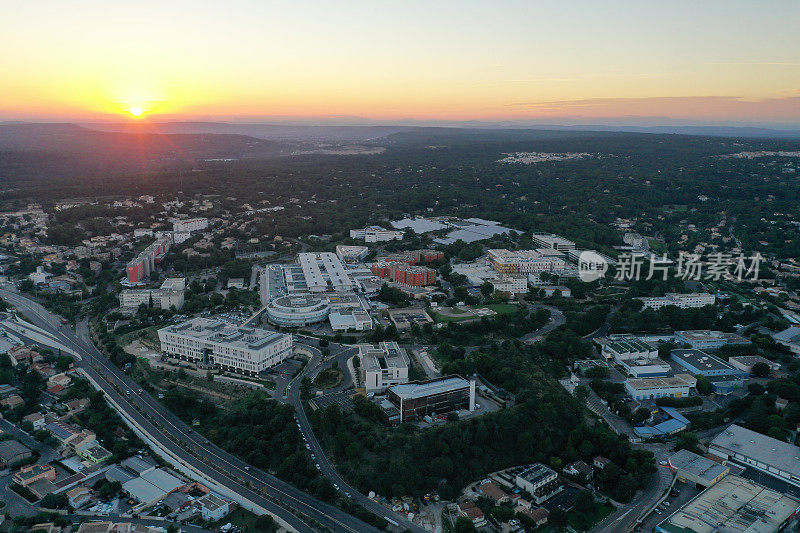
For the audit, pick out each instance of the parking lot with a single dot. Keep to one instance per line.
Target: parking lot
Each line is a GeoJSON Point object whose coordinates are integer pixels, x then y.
{"type": "Point", "coordinates": [563, 500]}
{"type": "Point", "coordinates": [687, 492]}
{"type": "Point", "coordinates": [341, 398]}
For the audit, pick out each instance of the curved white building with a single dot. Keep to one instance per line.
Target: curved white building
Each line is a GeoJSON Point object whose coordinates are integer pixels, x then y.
{"type": "Point", "coordinates": [297, 310]}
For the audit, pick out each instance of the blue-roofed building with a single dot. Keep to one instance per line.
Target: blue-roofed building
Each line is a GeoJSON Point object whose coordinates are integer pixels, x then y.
{"type": "Point", "coordinates": [726, 384]}
{"type": "Point", "coordinates": [675, 423]}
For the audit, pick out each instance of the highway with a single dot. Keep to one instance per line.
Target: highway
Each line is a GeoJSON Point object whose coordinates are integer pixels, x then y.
{"type": "Point", "coordinates": [172, 435]}
{"type": "Point", "coordinates": [314, 366]}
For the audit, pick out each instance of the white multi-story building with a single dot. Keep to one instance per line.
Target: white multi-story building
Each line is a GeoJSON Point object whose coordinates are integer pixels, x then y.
{"type": "Point", "coordinates": [376, 234]}
{"type": "Point", "coordinates": [189, 225]}
{"type": "Point", "coordinates": [509, 283]}
{"type": "Point", "coordinates": [550, 240]}
{"type": "Point", "coordinates": [539, 480]}
{"type": "Point", "coordinates": [351, 254]}
{"type": "Point", "coordinates": [527, 261]}
{"type": "Point", "coordinates": [214, 343]}
{"type": "Point", "coordinates": [684, 301]}
{"type": "Point", "coordinates": [323, 272]}
{"type": "Point", "coordinates": [171, 293]}
{"type": "Point", "coordinates": [382, 366]}
{"type": "Point", "coordinates": [651, 388]}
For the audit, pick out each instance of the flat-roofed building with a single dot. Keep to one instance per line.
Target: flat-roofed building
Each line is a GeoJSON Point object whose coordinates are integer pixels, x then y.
{"type": "Point", "coordinates": [324, 272]}
{"type": "Point", "coordinates": [32, 473]}
{"type": "Point", "coordinates": [637, 357]}
{"type": "Point", "coordinates": [539, 480]}
{"type": "Point", "coordinates": [214, 343]}
{"type": "Point", "coordinates": [170, 294]}
{"type": "Point", "coordinates": [699, 362]}
{"type": "Point", "coordinates": [526, 262]}
{"type": "Point", "coordinates": [382, 366]}
{"type": "Point", "coordinates": [376, 234]}
{"type": "Point", "coordinates": [790, 337]}
{"type": "Point", "coordinates": [732, 505]}
{"type": "Point", "coordinates": [351, 254]}
{"type": "Point", "coordinates": [746, 362]}
{"type": "Point", "coordinates": [745, 447]}
{"type": "Point", "coordinates": [350, 319]}
{"type": "Point", "coordinates": [143, 264]}
{"type": "Point", "coordinates": [706, 339]}
{"type": "Point", "coordinates": [212, 508]}
{"type": "Point", "coordinates": [551, 240]}
{"type": "Point", "coordinates": [189, 225]}
{"type": "Point", "coordinates": [696, 469]}
{"type": "Point", "coordinates": [433, 397]}
{"type": "Point", "coordinates": [297, 310]}
{"type": "Point", "coordinates": [683, 301]}
{"type": "Point", "coordinates": [652, 388]}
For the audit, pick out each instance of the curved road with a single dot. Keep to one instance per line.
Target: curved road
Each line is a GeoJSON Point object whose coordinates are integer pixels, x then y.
{"type": "Point", "coordinates": [326, 467]}
{"type": "Point", "coordinates": [556, 320]}
{"type": "Point", "coordinates": [170, 433]}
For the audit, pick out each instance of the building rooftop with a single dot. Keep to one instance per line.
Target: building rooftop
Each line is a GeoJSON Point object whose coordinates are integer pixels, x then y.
{"type": "Point", "coordinates": [422, 389]}
{"type": "Point", "coordinates": [764, 449]}
{"type": "Point", "coordinates": [733, 505]}
{"type": "Point", "coordinates": [697, 465]}
{"type": "Point", "coordinates": [219, 332]}
{"type": "Point", "coordinates": [629, 346]}
{"type": "Point", "coordinates": [137, 464]}
{"type": "Point", "coordinates": [210, 501]}
{"type": "Point", "coordinates": [701, 360]}
{"type": "Point", "coordinates": [789, 335]}
{"type": "Point", "coordinates": [656, 383]}
{"type": "Point", "coordinates": [385, 355]}
{"type": "Point", "coordinates": [535, 473]}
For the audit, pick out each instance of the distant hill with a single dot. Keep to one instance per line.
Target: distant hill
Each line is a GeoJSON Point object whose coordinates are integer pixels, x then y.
{"type": "Point", "coordinates": [277, 132]}
{"type": "Point", "coordinates": [141, 143]}
{"type": "Point", "coordinates": [371, 132]}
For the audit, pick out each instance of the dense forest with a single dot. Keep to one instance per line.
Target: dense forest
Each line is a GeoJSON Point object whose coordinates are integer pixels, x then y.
{"type": "Point", "coordinates": [665, 182]}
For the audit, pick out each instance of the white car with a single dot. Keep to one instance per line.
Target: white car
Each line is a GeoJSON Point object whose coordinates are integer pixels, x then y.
{"type": "Point", "coordinates": [335, 486]}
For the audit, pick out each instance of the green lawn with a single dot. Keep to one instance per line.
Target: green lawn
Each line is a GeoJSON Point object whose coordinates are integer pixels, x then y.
{"type": "Point", "coordinates": [328, 378]}
{"type": "Point", "coordinates": [586, 521]}
{"type": "Point", "coordinates": [503, 309]}
{"type": "Point", "coordinates": [438, 317]}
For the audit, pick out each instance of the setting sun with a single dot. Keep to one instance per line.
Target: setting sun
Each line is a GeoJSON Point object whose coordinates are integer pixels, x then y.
{"type": "Point", "coordinates": [136, 111]}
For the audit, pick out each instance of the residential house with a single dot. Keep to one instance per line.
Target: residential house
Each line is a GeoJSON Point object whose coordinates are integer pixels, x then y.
{"type": "Point", "coordinates": [538, 515]}
{"type": "Point", "coordinates": [12, 401]}
{"type": "Point", "coordinates": [601, 462]}
{"type": "Point", "coordinates": [470, 510]}
{"type": "Point", "coordinates": [79, 496]}
{"type": "Point", "coordinates": [77, 406]}
{"type": "Point", "coordinates": [30, 473]}
{"type": "Point", "coordinates": [490, 490]}
{"type": "Point", "coordinates": [579, 469]}
{"type": "Point", "coordinates": [37, 420]}
{"type": "Point", "coordinates": [59, 379]}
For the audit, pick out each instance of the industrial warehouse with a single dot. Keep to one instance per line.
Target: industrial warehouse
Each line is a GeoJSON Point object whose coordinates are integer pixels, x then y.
{"type": "Point", "coordinates": [732, 505]}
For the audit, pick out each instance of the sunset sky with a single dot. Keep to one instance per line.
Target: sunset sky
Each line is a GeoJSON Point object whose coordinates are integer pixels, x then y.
{"type": "Point", "coordinates": [454, 60]}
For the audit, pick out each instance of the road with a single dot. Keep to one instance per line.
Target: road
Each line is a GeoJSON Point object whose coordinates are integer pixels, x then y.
{"type": "Point", "coordinates": [556, 320]}
{"type": "Point", "coordinates": [606, 325]}
{"type": "Point", "coordinates": [626, 518]}
{"type": "Point", "coordinates": [340, 354]}
{"type": "Point", "coordinates": [169, 433]}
